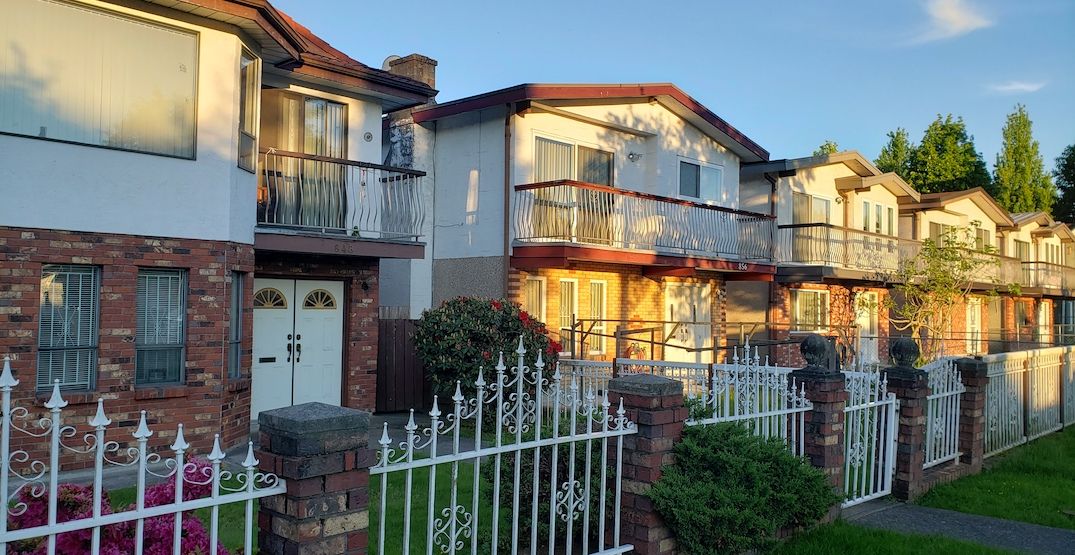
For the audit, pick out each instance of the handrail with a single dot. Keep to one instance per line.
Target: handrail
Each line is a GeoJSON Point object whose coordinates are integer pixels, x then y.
{"type": "Point", "coordinates": [843, 228]}
{"type": "Point", "coordinates": [637, 194]}
{"type": "Point", "coordinates": [344, 161]}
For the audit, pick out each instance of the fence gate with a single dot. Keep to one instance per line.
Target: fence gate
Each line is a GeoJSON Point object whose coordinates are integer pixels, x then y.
{"type": "Point", "coordinates": [942, 411]}
{"type": "Point", "coordinates": [497, 474]}
{"type": "Point", "coordinates": [401, 380]}
{"type": "Point", "coordinates": [870, 419]}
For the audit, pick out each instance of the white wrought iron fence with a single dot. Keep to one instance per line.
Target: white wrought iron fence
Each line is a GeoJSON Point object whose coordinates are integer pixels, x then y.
{"type": "Point", "coordinates": [870, 419]}
{"type": "Point", "coordinates": [1005, 395]}
{"type": "Point", "coordinates": [591, 374]}
{"type": "Point", "coordinates": [525, 484]}
{"type": "Point", "coordinates": [38, 513]}
{"type": "Point", "coordinates": [1043, 392]}
{"type": "Point", "coordinates": [942, 411]}
{"type": "Point", "coordinates": [693, 375]}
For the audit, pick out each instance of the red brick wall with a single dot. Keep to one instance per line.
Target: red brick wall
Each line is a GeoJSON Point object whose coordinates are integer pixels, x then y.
{"type": "Point", "coordinates": [360, 321]}
{"type": "Point", "coordinates": [207, 403]}
{"type": "Point", "coordinates": [841, 315]}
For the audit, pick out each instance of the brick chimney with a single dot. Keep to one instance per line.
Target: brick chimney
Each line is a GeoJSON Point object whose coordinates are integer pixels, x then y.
{"type": "Point", "coordinates": [417, 67]}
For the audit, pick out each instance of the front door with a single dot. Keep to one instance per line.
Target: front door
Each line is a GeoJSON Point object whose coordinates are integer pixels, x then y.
{"type": "Point", "coordinates": [974, 325]}
{"type": "Point", "coordinates": [866, 321]}
{"type": "Point", "coordinates": [298, 343]}
{"type": "Point", "coordinates": [690, 323]}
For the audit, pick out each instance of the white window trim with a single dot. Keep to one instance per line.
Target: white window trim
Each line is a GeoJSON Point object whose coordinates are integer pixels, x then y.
{"type": "Point", "coordinates": [243, 48]}
{"type": "Point", "coordinates": [830, 200]}
{"type": "Point", "coordinates": [544, 297]}
{"type": "Point", "coordinates": [795, 316]}
{"type": "Point", "coordinates": [574, 309]}
{"type": "Point", "coordinates": [700, 164]}
{"type": "Point", "coordinates": [575, 144]}
{"type": "Point", "coordinates": [603, 326]}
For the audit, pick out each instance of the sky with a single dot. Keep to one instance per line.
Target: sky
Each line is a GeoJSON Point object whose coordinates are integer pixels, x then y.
{"type": "Point", "coordinates": [789, 74]}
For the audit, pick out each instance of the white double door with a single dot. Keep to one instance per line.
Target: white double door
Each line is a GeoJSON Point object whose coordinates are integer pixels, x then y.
{"type": "Point", "coordinates": [689, 328]}
{"type": "Point", "coordinates": [298, 343]}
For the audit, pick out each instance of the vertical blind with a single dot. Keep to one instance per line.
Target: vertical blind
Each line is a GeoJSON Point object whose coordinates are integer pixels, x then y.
{"type": "Point", "coordinates": [568, 306]}
{"type": "Point", "coordinates": [552, 160]}
{"type": "Point", "coordinates": [88, 76]}
{"type": "Point", "coordinates": [161, 319]}
{"type": "Point", "coordinates": [534, 298]}
{"type": "Point", "coordinates": [598, 312]}
{"type": "Point", "coordinates": [67, 327]}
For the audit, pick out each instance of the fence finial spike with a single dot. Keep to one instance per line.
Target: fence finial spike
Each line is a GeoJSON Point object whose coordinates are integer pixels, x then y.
{"type": "Point", "coordinates": [411, 426]}
{"type": "Point", "coordinates": [521, 350]}
{"type": "Point", "coordinates": [458, 397]}
{"type": "Point", "coordinates": [620, 411]}
{"type": "Point", "coordinates": [99, 420]}
{"type": "Point", "coordinates": [250, 462]}
{"type": "Point", "coordinates": [500, 363]}
{"type": "Point", "coordinates": [480, 382]}
{"type": "Point", "coordinates": [385, 441]}
{"type": "Point", "coordinates": [435, 411]}
{"type": "Point", "coordinates": [56, 402]}
{"type": "Point", "coordinates": [557, 376]}
{"type": "Point", "coordinates": [7, 379]}
{"type": "Point", "coordinates": [540, 362]}
{"type": "Point", "coordinates": [180, 444]}
{"type": "Point", "coordinates": [217, 454]}
{"type": "Point", "coordinates": [605, 402]}
{"type": "Point", "coordinates": [143, 431]}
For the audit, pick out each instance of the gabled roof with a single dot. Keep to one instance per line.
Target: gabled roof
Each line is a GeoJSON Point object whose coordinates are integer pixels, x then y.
{"type": "Point", "coordinates": [669, 95]}
{"type": "Point", "coordinates": [866, 174]}
{"type": "Point", "coordinates": [937, 201]}
{"type": "Point", "coordinates": [1023, 218]}
{"type": "Point", "coordinates": [290, 46]}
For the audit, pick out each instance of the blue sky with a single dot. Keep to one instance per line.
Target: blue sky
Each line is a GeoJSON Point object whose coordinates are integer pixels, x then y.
{"type": "Point", "coordinates": [788, 74]}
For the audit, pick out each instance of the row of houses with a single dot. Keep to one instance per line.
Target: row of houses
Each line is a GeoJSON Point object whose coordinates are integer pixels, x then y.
{"type": "Point", "coordinates": [205, 209]}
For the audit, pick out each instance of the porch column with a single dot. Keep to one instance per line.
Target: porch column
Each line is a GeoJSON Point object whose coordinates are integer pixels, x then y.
{"type": "Point", "coordinates": [911, 387]}
{"type": "Point", "coordinates": [972, 412]}
{"type": "Point", "coordinates": [824, 430]}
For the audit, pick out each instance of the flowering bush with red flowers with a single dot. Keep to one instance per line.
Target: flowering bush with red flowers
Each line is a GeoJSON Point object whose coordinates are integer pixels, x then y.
{"type": "Point", "coordinates": [76, 502]}
{"type": "Point", "coordinates": [464, 333]}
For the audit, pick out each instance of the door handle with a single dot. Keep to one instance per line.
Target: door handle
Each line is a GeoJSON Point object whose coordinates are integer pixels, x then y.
{"type": "Point", "coordinates": [289, 351]}
{"type": "Point", "coordinates": [298, 351]}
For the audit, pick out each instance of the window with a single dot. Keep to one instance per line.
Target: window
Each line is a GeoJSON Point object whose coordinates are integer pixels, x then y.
{"type": "Point", "coordinates": [319, 299]}
{"type": "Point", "coordinates": [1022, 313]}
{"type": "Point", "coordinates": [878, 214]}
{"type": "Point", "coordinates": [810, 310]}
{"type": "Point", "coordinates": [161, 311]}
{"type": "Point", "coordinates": [270, 298]}
{"type": "Point", "coordinates": [704, 182]}
{"type": "Point", "coordinates": [974, 325]}
{"type": "Point", "coordinates": [534, 297]}
{"type": "Point", "coordinates": [892, 221]}
{"type": "Point", "coordinates": [248, 110]}
{"type": "Point", "coordinates": [599, 312]}
{"type": "Point", "coordinates": [865, 216]}
{"type": "Point", "coordinates": [299, 123]}
{"type": "Point", "coordinates": [556, 160]}
{"type": "Point", "coordinates": [594, 166]}
{"type": "Point", "coordinates": [981, 239]}
{"type": "Point", "coordinates": [67, 327]}
{"type": "Point", "coordinates": [569, 308]}
{"type": "Point", "coordinates": [235, 325]}
{"type": "Point", "coordinates": [807, 209]}
{"type": "Point", "coordinates": [1022, 250]}
{"type": "Point", "coordinates": [88, 76]}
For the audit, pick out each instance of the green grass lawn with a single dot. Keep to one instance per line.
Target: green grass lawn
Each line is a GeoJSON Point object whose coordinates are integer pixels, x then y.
{"type": "Point", "coordinates": [841, 537]}
{"type": "Point", "coordinates": [1032, 483]}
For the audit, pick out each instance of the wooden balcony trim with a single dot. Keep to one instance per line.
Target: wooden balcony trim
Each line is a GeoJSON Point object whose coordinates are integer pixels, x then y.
{"type": "Point", "coordinates": [636, 194]}
{"type": "Point", "coordinates": [562, 256]}
{"type": "Point", "coordinates": [335, 245]}
{"type": "Point", "coordinates": [355, 163]}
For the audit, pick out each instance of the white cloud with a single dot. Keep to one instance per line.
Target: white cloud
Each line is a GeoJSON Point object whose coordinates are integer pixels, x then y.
{"type": "Point", "coordinates": [1015, 87]}
{"type": "Point", "coordinates": [950, 19]}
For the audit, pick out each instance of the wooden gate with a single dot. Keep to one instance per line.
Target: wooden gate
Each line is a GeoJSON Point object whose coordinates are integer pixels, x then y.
{"type": "Point", "coordinates": [401, 380]}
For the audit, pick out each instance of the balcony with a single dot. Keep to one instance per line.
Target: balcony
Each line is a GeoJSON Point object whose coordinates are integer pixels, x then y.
{"type": "Point", "coordinates": [307, 195]}
{"type": "Point", "coordinates": [584, 214]}
{"type": "Point", "coordinates": [1047, 276]}
{"type": "Point", "coordinates": [829, 245]}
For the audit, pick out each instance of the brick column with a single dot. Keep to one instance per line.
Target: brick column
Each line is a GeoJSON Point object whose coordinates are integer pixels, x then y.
{"type": "Point", "coordinates": [655, 405]}
{"type": "Point", "coordinates": [824, 430]}
{"type": "Point", "coordinates": [972, 412]}
{"type": "Point", "coordinates": [911, 387]}
{"type": "Point", "coordinates": [321, 451]}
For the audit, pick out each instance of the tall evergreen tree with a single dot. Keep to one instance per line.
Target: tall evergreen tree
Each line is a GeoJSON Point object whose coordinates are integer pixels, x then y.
{"type": "Point", "coordinates": [827, 147]}
{"type": "Point", "coordinates": [1020, 182]}
{"type": "Point", "coordinates": [1064, 210]}
{"type": "Point", "coordinates": [946, 159]}
{"type": "Point", "coordinates": [896, 154]}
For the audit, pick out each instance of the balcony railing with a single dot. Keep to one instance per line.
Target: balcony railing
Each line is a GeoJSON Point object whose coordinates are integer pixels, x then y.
{"type": "Point", "coordinates": [335, 196]}
{"type": "Point", "coordinates": [1049, 276]}
{"type": "Point", "coordinates": [583, 213]}
{"type": "Point", "coordinates": [829, 245]}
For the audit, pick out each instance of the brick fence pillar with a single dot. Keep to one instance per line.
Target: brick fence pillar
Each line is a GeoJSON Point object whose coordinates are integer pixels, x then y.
{"type": "Point", "coordinates": [972, 412]}
{"type": "Point", "coordinates": [655, 405]}
{"type": "Point", "coordinates": [911, 387]}
{"type": "Point", "coordinates": [824, 430]}
{"type": "Point", "coordinates": [321, 451]}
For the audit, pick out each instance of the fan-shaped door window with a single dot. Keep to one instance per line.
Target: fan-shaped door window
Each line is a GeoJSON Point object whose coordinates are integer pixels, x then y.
{"type": "Point", "coordinates": [269, 298]}
{"type": "Point", "coordinates": [319, 299]}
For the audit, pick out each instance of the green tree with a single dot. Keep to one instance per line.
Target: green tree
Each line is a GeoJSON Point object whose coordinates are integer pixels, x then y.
{"type": "Point", "coordinates": [896, 154]}
{"type": "Point", "coordinates": [827, 147]}
{"type": "Point", "coordinates": [1064, 210]}
{"type": "Point", "coordinates": [1020, 182]}
{"type": "Point", "coordinates": [946, 159]}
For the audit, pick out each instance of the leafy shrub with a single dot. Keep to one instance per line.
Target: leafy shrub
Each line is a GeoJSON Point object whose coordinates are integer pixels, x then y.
{"type": "Point", "coordinates": [466, 332]}
{"type": "Point", "coordinates": [731, 491]}
{"type": "Point", "coordinates": [76, 502]}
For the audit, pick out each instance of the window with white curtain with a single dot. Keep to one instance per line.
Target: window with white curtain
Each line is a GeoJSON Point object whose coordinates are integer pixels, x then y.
{"type": "Point", "coordinates": [569, 309]}
{"type": "Point", "coordinates": [161, 320]}
{"type": "Point", "coordinates": [555, 160]}
{"type": "Point", "coordinates": [83, 75]}
{"type": "Point", "coordinates": [67, 327]}
{"type": "Point", "coordinates": [811, 310]}
{"type": "Point", "coordinates": [534, 297]}
{"type": "Point", "coordinates": [599, 312]}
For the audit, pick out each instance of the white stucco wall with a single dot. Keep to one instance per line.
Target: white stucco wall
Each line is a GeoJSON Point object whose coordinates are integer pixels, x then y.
{"type": "Point", "coordinates": [818, 181]}
{"type": "Point", "coordinates": [83, 188]}
{"type": "Point", "coordinates": [961, 213]}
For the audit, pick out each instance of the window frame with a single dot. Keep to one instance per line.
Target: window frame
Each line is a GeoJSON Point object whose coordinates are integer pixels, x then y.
{"type": "Point", "coordinates": [829, 201]}
{"type": "Point", "coordinates": [564, 340]}
{"type": "Point", "coordinates": [575, 146]}
{"type": "Point", "coordinates": [195, 93]}
{"type": "Point", "coordinates": [276, 136]}
{"type": "Point", "coordinates": [255, 86]}
{"type": "Point", "coordinates": [94, 333]}
{"type": "Point", "coordinates": [796, 312]}
{"type": "Point", "coordinates": [701, 199]}
{"type": "Point", "coordinates": [181, 345]}
{"type": "Point", "coordinates": [599, 326]}
{"type": "Point", "coordinates": [544, 296]}
{"type": "Point", "coordinates": [235, 324]}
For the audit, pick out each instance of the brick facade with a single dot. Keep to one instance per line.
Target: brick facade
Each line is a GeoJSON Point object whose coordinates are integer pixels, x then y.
{"type": "Point", "coordinates": [207, 401]}
{"type": "Point", "coordinates": [841, 317]}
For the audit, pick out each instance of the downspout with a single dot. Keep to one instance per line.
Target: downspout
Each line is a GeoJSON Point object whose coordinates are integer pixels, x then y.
{"type": "Point", "coordinates": [507, 194]}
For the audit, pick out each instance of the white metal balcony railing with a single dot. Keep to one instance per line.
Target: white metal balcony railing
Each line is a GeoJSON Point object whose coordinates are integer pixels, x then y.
{"type": "Point", "coordinates": [583, 213]}
{"type": "Point", "coordinates": [344, 197]}
{"type": "Point", "coordinates": [829, 245]}
{"type": "Point", "coordinates": [1046, 275]}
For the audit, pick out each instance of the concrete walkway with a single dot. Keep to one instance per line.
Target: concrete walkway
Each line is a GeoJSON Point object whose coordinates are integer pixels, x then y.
{"type": "Point", "coordinates": [1016, 536]}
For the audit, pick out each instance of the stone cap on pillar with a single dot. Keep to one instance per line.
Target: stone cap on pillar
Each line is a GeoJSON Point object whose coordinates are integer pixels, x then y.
{"type": "Point", "coordinates": [972, 366]}
{"type": "Point", "coordinates": [905, 353]}
{"type": "Point", "coordinates": [817, 353]}
{"type": "Point", "coordinates": [649, 385]}
{"type": "Point", "coordinates": [314, 428]}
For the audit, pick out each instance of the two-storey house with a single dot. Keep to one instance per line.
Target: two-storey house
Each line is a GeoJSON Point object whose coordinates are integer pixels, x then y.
{"type": "Point", "coordinates": [597, 207]}
{"type": "Point", "coordinates": [192, 210]}
{"type": "Point", "coordinates": [1043, 250]}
